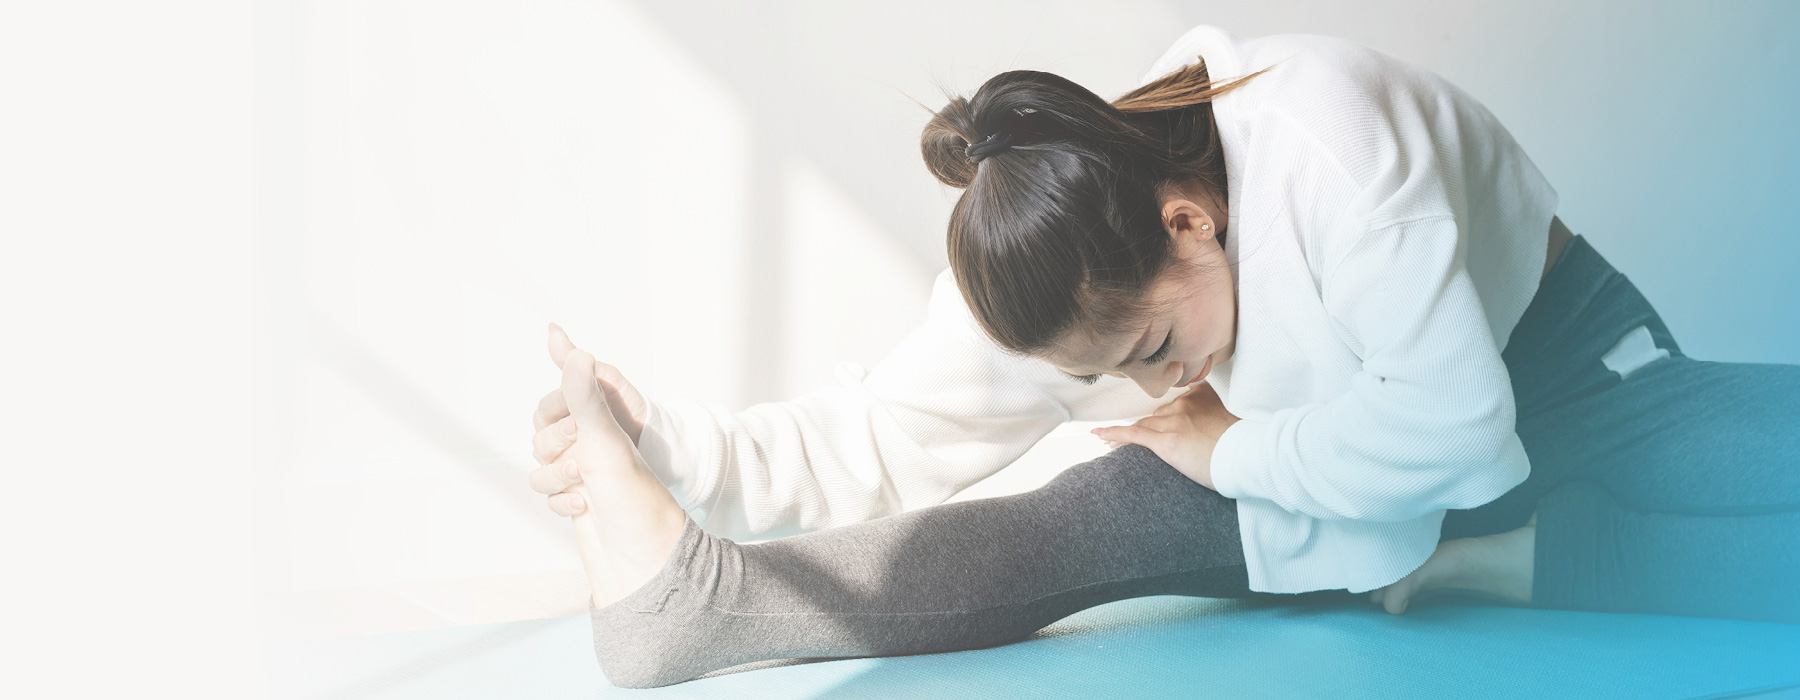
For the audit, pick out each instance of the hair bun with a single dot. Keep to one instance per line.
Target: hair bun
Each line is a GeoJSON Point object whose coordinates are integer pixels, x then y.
{"type": "Point", "coordinates": [946, 143]}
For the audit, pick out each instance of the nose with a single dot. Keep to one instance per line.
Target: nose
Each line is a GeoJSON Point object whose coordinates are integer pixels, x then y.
{"type": "Point", "coordinates": [1157, 381]}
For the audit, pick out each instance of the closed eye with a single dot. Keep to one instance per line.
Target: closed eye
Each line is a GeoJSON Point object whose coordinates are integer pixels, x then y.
{"type": "Point", "coordinates": [1088, 379]}
{"type": "Point", "coordinates": [1161, 352]}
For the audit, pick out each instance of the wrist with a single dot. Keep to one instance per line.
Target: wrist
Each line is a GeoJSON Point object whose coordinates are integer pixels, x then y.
{"type": "Point", "coordinates": [1232, 463]}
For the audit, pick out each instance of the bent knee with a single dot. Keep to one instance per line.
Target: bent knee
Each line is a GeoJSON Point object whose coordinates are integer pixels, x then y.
{"type": "Point", "coordinates": [1127, 463]}
{"type": "Point", "coordinates": [1129, 469]}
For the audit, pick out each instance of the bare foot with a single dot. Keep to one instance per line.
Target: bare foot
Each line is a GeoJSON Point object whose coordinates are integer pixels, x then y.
{"type": "Point", "coordinates": [1496, 565]}
{"type": "Point", "coordinates": [629, 522]}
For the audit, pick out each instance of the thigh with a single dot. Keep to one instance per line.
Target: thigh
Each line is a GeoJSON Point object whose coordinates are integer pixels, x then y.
{"type": "Point", "coordinates": [1688, 436]}
{"type": "Point", "coordinates": [1677, 436]}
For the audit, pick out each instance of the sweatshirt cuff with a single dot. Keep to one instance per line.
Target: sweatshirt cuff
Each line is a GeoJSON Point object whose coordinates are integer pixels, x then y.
{"type": "Point", "coordinates": [1237, 463]}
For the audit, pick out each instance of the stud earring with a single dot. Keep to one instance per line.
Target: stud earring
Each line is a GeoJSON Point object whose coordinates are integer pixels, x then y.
{"type": "Point", "coordinates": [1206, 227]}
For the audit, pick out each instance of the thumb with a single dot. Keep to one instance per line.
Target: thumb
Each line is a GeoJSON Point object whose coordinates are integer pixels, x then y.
{"type": "Point", "coordinates": [560, 345]}
{"type": "Point", "coordinates": [587, 402]}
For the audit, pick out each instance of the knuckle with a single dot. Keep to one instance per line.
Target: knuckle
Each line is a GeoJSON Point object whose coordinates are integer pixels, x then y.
{"type": "Point", "coordinates": [549, 442]}
{"type": "Point", "coordinates": [567, 471]}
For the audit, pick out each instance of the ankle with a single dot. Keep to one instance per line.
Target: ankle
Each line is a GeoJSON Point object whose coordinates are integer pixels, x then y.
{"type": "Point", "coordinates": [637, 555]}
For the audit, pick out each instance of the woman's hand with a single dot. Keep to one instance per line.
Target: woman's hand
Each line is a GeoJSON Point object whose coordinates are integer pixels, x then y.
{"type": "Point", "coordinates": [1181, 432]}
{"type": "Point", "coordinates": [556, 430]}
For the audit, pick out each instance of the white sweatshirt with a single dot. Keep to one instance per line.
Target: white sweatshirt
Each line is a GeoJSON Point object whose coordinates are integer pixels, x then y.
{"type": "Point", "coordinates": [1387, 234]}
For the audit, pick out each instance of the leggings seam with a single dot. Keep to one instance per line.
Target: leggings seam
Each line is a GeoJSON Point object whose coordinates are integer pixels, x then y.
{"type": "Point", "coordinates": [1085, 586]}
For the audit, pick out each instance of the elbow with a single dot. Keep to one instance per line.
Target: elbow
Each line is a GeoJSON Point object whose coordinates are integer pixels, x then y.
{"type": "Point", "coordinates": [1503, 464]}
{"type": "Point", "coordinates": [1509, 469]}
{"type": "Point", "coordinates": [1480, 476]}
{"type": "Point", "coordinates": [1449, 482]}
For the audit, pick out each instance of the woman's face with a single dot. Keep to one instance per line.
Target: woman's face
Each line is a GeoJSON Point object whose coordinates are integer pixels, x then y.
{"type": "Point", "coordinates": [1192, 323]}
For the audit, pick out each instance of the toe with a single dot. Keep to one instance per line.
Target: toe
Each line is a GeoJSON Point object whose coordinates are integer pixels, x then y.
{"type": "Point", "coordinates": [1396, 604]}
{"type": "Point", "coordinates": [1395, 596]}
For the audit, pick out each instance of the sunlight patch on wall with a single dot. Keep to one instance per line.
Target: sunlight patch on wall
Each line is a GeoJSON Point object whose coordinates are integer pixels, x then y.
{"type": "Point", "coordinates": [851, 292]}
{"type": "Point", "coordinates": [473, 171]}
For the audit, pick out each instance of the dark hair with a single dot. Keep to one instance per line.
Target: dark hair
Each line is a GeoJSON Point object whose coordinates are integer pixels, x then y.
{"type": "Point", "coordinates": [1060, 224]}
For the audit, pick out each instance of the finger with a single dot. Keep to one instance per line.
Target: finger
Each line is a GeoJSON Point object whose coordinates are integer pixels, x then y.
{"type": "Point", "coordinates": [568, 504]}
{"type": "Point", "coordinates": [587, 403]}
{"type": "Point", "coordinates": [555, 477]}
{"type": "Point", "coordinates": [550, 410]}
{"type": "Point", "coordinates": [1137, 435]}
{"type": "Point", "coordinates": [560, 345]}
{"type": "Point", "coordinates": [1161, 424]}
{"type": "Point", "coordinates": [553, 440]}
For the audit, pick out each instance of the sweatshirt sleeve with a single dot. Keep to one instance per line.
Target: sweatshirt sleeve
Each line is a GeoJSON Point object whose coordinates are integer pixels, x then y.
{"type": "Point", "coordinates": [945, 409]}
{"type": "Point", "coordinates": [1428, 422]}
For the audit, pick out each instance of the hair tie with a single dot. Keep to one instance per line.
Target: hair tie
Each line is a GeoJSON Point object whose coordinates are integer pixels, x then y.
{"type": "Point", "coordinates": [994, 143]}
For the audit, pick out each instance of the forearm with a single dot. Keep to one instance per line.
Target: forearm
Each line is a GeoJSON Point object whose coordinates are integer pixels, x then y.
{"type": "Point", "coordinates": [1319, 464]}
{"type": "Point", "coordinates": [832, 457]}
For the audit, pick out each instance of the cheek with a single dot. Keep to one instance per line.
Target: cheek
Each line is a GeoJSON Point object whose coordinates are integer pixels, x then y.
{"type": "Point", "coordinates": [1217, 322]}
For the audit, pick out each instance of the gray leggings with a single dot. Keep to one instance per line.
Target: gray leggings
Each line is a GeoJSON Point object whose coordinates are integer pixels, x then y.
{"type": "Point", "coordinates": [955, 576]}
{"type": "Point", "coordinates": [1672, 489]}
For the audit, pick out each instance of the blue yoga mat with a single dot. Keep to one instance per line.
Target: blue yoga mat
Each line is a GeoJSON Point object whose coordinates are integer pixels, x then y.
{"type": "Point", "coordinates": [1149, 647]}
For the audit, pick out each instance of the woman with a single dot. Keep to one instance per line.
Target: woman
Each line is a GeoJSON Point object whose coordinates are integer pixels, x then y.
{"type": "Point", "coordinates": [1385, 337]}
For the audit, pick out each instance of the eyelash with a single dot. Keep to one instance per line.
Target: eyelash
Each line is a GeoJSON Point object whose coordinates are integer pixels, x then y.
{"type": "Point", "coordinates": [1162, 352]}
{"type": "Point", "coordinates": [1155, 357]}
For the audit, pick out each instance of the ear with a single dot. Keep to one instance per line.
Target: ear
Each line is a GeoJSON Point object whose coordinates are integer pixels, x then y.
{"type": "Point", "coordinates": [1183, 219]}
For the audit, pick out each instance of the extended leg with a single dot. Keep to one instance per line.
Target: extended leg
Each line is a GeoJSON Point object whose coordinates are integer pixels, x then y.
{"type": "Point", "coordinates": [956, 576]}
